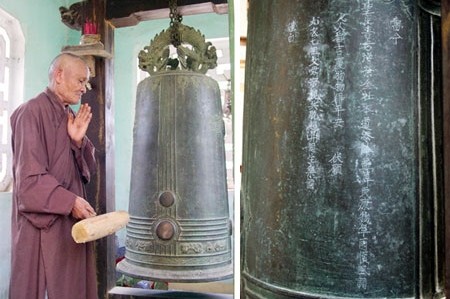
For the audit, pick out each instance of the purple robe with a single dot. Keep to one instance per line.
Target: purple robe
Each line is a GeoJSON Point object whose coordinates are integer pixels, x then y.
{"type": "Point", "coordinates": [49, 172]}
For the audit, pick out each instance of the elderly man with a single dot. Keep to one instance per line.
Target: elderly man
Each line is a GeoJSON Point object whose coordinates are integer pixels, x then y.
{"type": "Point", "coordinates": [52, 160]}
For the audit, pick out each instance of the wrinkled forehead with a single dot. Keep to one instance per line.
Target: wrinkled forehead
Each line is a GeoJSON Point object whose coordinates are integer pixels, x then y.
{"type": "Point", "coordinates": [76, 67]}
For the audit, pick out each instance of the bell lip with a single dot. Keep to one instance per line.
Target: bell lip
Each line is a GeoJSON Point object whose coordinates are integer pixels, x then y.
{"type": "Point", "coordinates": [167, 275]}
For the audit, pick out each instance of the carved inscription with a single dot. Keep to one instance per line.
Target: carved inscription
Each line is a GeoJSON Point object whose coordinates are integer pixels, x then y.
{"type": "Point", "coordinates": [395, 26]}
{"type": "Point", "coordinates": [340, 34]}
{"type": "Point", "coordinates": [332, 99]}
{"type": "Point", "coordinates": [315, 98]}
{"type": "Point", "coordinates": [364, 168]}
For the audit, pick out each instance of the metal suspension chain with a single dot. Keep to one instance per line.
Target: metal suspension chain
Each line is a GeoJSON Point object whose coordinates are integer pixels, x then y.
{"type": "Point", "coordinates": [175, 20]}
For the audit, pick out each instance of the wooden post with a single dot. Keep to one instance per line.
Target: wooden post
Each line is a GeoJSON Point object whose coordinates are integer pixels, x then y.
{"type": "Point", "coordinates": [101, 132]}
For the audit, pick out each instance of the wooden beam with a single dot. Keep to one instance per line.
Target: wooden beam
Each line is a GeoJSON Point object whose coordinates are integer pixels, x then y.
{"type": "Point", "coordinates": [123, 13]}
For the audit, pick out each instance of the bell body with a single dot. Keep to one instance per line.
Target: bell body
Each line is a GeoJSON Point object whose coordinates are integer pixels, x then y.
{"type": "Point", "coordinates": [179, 228]}
{"type": "Point", "coordinates": [330, 151]}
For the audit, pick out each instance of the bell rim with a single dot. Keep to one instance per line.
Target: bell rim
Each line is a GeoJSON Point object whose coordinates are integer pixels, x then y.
{"type": "Point", "coordinates": [168, 275]}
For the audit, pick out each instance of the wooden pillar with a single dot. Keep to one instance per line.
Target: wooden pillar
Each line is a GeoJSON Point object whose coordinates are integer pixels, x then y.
{"type": "Point", "coordinates": [101, 132]}
{"type": "Point", "coordinates": [445, 19]}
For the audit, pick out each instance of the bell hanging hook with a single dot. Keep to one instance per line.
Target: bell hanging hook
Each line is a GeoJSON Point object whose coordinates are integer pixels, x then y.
{"type": "Point", "coordinates": [175, 21]}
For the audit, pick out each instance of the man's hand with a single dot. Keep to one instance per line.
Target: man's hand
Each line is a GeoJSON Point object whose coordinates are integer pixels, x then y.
{"type": "Point", "coordinates": [77, 126]}
{"type": "Point", "coordinates": [82, 209]}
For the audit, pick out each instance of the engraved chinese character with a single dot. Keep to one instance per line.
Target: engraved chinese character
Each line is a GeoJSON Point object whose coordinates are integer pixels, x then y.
{"type": "Point", "coordinates": [396, 26]}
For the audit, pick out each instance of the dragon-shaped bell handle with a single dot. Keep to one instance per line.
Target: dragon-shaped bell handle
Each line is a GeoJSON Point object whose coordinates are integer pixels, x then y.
{"type": "Point", "coordinates": [193, 52]}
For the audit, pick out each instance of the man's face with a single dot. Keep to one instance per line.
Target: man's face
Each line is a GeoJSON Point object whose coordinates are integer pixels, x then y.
{"type": "Point", "coordinates": [72, 81]}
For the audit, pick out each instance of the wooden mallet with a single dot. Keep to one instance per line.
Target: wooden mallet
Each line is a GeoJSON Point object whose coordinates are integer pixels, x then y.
{"type": "Point", "coordinates": [100, 226]}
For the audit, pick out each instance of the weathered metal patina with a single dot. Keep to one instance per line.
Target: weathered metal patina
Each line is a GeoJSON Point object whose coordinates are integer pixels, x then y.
{"type": "Point", "coordinates": [179, 227]}
{"type": "Point", "coordinates": [336, 171]}
{"type": "Point", "coordinates": [199, 56]}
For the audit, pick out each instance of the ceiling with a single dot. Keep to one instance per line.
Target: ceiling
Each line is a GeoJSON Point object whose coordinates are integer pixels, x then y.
{"type": "Point", "coordinates": [123, 13]}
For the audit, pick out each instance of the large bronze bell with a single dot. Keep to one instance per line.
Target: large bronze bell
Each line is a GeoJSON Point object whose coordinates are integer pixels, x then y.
{"type": "Point", "coordinates": [333, 159]}
{"type": "Point", "coordinates": [179, 227]}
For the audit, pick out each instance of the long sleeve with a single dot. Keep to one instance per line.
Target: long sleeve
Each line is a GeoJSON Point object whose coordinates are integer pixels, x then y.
{"type": "Point", "coordinates": [85, 157]}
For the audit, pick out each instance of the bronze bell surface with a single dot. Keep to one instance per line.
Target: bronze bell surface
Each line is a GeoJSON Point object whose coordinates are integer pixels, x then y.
{"type": "Point", "coordinates": [179, 228]}
{"type": "Point", "coordinates": [335, 157]}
